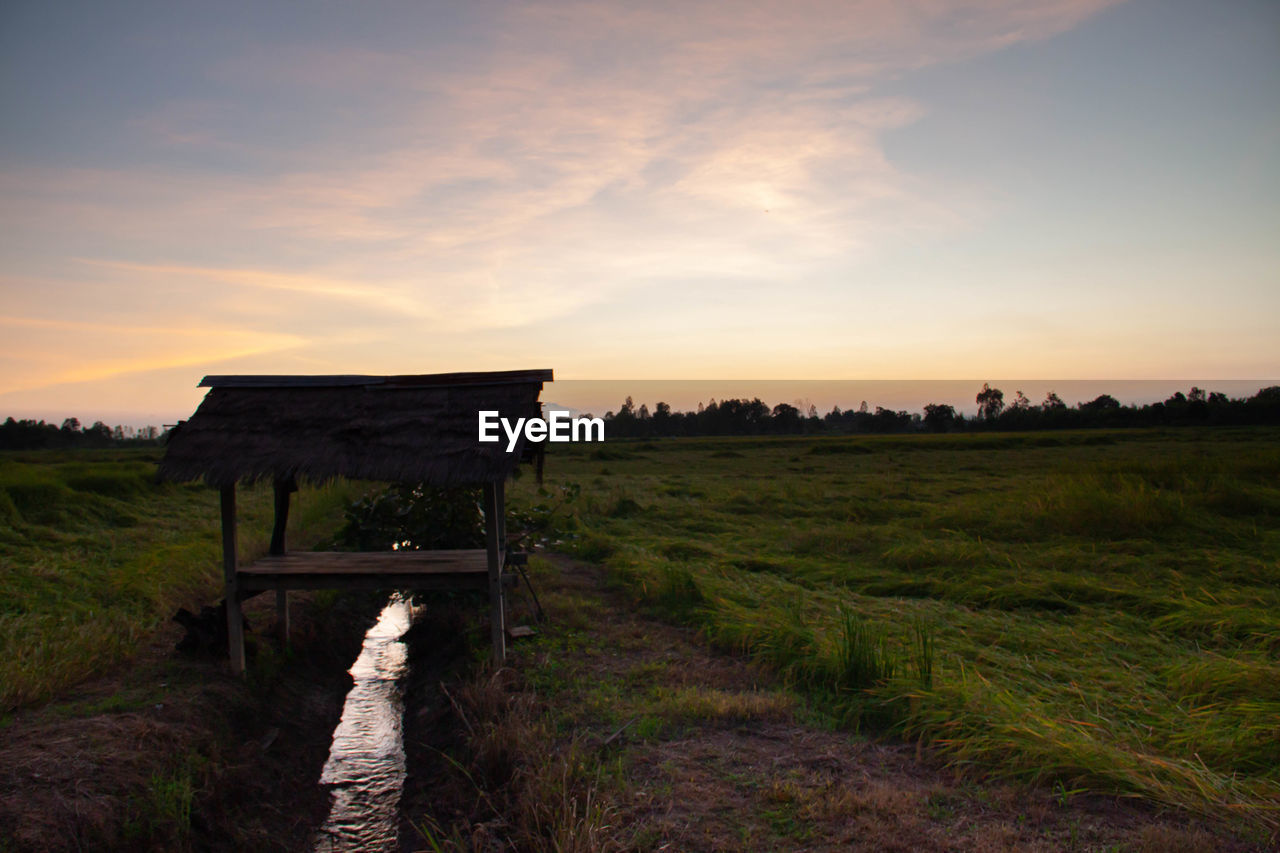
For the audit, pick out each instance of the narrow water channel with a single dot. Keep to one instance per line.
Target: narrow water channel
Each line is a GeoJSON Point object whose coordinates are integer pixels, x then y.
{"type": "Point", "coordinates": [366, 766]}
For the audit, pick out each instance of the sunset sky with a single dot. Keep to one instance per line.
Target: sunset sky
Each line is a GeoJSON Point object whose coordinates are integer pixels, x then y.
{"type": "Point", "coordinates": [1072, 189]}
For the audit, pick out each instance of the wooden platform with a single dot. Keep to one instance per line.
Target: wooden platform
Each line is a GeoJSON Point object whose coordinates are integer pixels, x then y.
{"type": "Point", "coordinates": [456, 569]}
{"type": "Point", "coordinates": [281, 571]}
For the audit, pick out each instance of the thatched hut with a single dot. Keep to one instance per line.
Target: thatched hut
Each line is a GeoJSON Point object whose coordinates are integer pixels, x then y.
{"type": "Point", "coordinates": [414, 429]}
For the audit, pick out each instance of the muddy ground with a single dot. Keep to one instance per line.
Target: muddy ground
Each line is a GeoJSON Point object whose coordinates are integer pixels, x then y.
{"type": "Point", "coordinates": [174, 753]}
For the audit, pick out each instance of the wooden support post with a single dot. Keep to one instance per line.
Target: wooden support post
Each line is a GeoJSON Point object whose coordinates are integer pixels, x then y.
{"type": "Point", "coordinates": [500, 510]}
{"type": "Point", "coordinates": [235, 620]}
{"type": "Point", "coordinates": [497, 626]}
{"type": "Point", "coordinates": [500, 489]}
{"type": "Point", "coordinates": [284, 488]}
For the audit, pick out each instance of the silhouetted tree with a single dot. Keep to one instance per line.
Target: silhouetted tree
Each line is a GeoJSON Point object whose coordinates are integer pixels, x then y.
{"type": "Point", "coordinates": [990, 402]}
{"type": "Point", "coordinates": [939, 417]}
{"type": "Point", "coordinates": [663, 423]}
{"type": "Point", "coordinates": [1264, 407]}
{"type": "Point", "coordinates": [1197, 405]}
{"type": "Point", "coordinates": [786, 418]}
{"type": "Point", "coordinates": [753, 417]}
{"type": "Point", "coordinates": [887, 420]}
{"type": "Point", "coordinates": [1102, 403]}
{"type": "Point", "coordinates": [99, 434]}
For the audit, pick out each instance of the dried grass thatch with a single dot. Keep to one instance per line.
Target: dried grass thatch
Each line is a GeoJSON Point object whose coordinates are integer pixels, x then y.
{"type": "Point", "coordinates": [389, 428]}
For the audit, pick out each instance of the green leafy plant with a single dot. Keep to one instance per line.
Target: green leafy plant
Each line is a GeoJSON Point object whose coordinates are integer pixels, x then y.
{"type": "Point", "coordinates": [545, 521]}
{"type": "Point", "coordinates": [414, 516]}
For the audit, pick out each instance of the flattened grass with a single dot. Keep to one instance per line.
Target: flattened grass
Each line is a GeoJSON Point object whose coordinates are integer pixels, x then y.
{"type": "Point", "coordinates": [1102, 608]}
{"type": "Point", "coordinates": [94, 554]}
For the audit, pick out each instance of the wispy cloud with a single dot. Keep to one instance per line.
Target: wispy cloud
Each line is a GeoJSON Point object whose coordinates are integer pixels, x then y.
{"type": "Point", "coordinates": [53, 351]}
{"type": "Point", "coordinates": [569, 154]}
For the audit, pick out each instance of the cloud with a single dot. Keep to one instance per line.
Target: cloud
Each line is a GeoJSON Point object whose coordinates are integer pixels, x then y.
{"type": "Point", "coordinates": [566, 101]}
{"type": "Point", "coordinates": [553, 157]}
{"type": "Point", "coordinates": [385, 297]}
{"type": "Point", "coordinates": [49, 351]}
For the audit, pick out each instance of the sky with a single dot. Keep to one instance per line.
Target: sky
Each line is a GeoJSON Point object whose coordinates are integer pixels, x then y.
{"type": "Point", "coordinates": [1053, 189]}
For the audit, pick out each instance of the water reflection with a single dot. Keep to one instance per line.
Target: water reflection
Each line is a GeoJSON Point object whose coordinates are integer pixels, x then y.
{"type": "Point", "coordinates": [366, 765]}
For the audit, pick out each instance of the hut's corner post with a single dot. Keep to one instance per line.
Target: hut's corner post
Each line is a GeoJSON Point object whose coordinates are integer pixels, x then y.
{"type": "Point", "coordinates": [493, 511]}
{"type": "Point", "coordinates": [500, 489]}
{"type": "Point", "coordinates": [284, 487]}
{"type": "Point", "coordinates": [235, 620]}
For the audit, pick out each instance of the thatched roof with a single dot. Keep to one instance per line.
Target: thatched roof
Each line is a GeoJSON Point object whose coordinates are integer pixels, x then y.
{"type": "Point", "coordinates": [389, 428]}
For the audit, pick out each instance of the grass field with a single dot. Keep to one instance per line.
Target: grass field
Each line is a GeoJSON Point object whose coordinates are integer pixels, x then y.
{"type": "Point", "coordinates": [94, 555]}
{"type": "Point", "coordinates": [1097, 611]}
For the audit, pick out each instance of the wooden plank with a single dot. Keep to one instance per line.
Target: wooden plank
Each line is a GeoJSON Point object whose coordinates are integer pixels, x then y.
{"type": "Point", "coordinates": [406, 556]}
{"type": "Point", "coordinates": [259, 570]}
{"type": "Point", "coordinates": [252, 584]}
{"type": "Point", "coordinates": [443, 569]}
{"type": "Point", "coordinates": [464, 561]}
{"type": "Point", "coordinates": [235, 619]}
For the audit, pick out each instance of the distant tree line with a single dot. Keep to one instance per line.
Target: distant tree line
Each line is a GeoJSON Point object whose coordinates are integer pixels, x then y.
{"type": "Point", "coordinates": [38, 435]}
{"type": "Point", "coordinates": [754, 417]}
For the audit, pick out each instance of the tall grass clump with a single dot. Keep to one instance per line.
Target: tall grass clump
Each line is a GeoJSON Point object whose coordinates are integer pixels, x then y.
{"type": "Point", "coordinates": [677, 595]}
{"type": "Point", "coordinates": [863, 658]}
{"type": "Point", "coordinates": [562, 807]}
{"type": "Point", "coordinates": [878, 684]}
{"type": "Point", "coordinates": [1014, 733]}
{"type": "Point", "coordinates": [864, 665]}
{"type": "Point", "coordinates": [922, 654]}
{"type": "Point", "coordinates": [1110, 507]}
{"type": "Point", "coordinates": [534, 791]}
{"type": "Point", "coordinates": [591, 546]}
